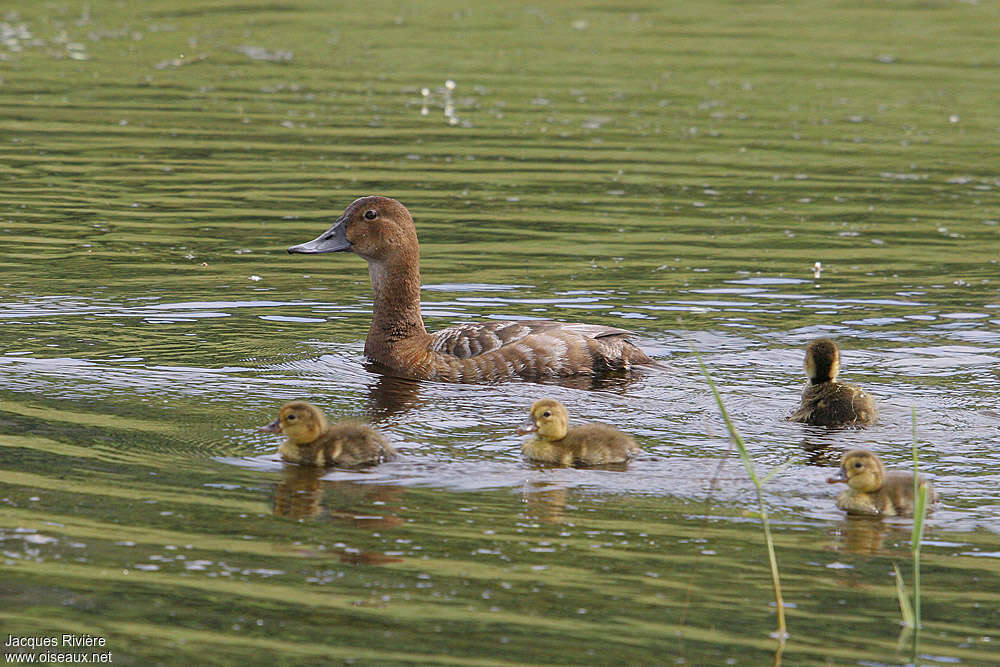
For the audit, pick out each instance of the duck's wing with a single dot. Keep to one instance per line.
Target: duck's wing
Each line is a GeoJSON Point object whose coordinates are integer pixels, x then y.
{"type": "Point", "coordinates": [469, 340]}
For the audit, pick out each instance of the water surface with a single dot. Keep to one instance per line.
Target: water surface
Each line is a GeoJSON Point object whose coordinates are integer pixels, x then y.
{"type": "Point", "coordinates": [676, 170]}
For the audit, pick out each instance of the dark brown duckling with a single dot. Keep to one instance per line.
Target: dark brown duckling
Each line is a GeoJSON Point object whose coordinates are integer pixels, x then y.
{"type": "Point", "coordinates": [873, 490]}
{"type": "Point", "coordinates": [381, 231]}
{"type": "Point", "coordinates": [589, 444]}
{"type": "Point", "coordinates": [826, 402]}
{"type": "Point", "coordinates": [314, 441]}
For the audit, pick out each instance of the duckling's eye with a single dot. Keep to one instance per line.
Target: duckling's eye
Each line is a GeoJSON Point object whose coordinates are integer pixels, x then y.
{"type": "Point", "coordinates": [371, 214]}
{"type": "Point", "coordinates": [290, 418]}
{"type": "Point", "coordinates": [546, 414]}
{"type": "Point", "coordinates": [858, 464]}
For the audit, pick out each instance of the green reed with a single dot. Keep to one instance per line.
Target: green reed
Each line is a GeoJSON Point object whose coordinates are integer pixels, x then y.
{"type": "Point", "coordinates": [781, 633]}
{"type": "Point", "coordinates": [911, 614]}
{"type": "Point", "coordinates": [919, 514]}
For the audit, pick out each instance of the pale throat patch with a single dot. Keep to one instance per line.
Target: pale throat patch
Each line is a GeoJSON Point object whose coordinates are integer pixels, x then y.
{"type": "Point", "coordinates": [376, 272]}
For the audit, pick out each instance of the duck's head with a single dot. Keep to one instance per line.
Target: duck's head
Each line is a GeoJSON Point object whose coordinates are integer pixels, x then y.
{"type": "Point", "coordinates": [822, 361]}
{"type": "Point", "coordinates": [548, 418]}
{"type": "Point", "coordinates": [373, 227]}
{"type": "Point", "coordinates": [861, 469]}
{"type": "Point", "coordinates": [301, 422]}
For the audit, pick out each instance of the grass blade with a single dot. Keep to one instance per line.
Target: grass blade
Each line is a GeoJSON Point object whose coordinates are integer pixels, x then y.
{"type": "Point", "coordinates": [919, 514]}
{"type": "Point", "coordinates": [774, 471]}
{"type": "Point", "coordinates": [904, 600]}
{"type": "Point", "coordinates": [782, 632]}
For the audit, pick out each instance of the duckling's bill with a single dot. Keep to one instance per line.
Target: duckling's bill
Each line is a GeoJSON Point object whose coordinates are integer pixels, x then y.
{"type": "Point", "coordinates": [529, 426]}
{"type": "Point", "coordinates": [841, 476]}
{"type": "Point", "coordinates": [273, 427]}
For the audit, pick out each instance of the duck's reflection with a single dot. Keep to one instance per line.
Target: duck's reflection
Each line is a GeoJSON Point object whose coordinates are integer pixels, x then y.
{"type": "Point", "coordinates": [863, 535]}
{"type": "Point", "coordinates": [545, 500]}
{"type": "Point", "coordinates": [822, 451]}
{"type": "Point", "coordinates": [608, 381]}
{"type": "Point", "coordinates": [298, 494]}
{"type": "Point", "coordinates": [302, 493]}
{"type": "Point", "coordinates": [390, 395]}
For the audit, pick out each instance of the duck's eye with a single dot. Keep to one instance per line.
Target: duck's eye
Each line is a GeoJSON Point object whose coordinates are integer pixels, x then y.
{"type": "Point", "coordinates": [290, 418]}
{"type": "Point", "coordinates": [546, 414]}
{"type": "Point", "coordinates": [858, 464]}
{"type": "Point", "coordinates": [371, 214]}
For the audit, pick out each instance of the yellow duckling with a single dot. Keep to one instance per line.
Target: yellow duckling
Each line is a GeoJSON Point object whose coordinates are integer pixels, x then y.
{"type": "Point", "coordinates": [314, 441]}
{"type": "Point", "coordinates": [555, 442]}
{"type": "Point", "coordinates": [872, 489]}
{"type": "Point", "coordinates": [826, 402]}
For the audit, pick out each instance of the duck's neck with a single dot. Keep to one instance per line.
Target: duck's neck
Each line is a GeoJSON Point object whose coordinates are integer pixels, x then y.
{"type": "Point", "coordinates": [822, 375]}
{"type": "Point", "coordinates": [396, 309]}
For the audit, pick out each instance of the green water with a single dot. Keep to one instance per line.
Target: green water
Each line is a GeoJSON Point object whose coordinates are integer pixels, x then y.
{"type": "Point", "coordinates": [673, 168]}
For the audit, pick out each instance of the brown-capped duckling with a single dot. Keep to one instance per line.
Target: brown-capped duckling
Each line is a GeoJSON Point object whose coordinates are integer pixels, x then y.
{"type": "Point", "coordinates": [381, 231]}
{"type": "Point", "coordinates": [311, 440]}
{"type": "Point", "coordinates": [556, 442]}
{"type": "Point", "coordinates": [826, 402]}
{"type": "Point", "coordinates": [873, 490]}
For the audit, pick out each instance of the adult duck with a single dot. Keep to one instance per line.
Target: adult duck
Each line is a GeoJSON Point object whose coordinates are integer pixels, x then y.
{"type": "Point", "coordinates": [826, 402]}
{"type": "Point", "coordinates": [381, 231]}
{"type": "Point", "coordinates": [559, 443]}
{"type": "Point", "coordinates": [873, 490]}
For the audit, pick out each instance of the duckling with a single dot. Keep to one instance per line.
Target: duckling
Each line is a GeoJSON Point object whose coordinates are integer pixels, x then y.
{"type": "Point", "coordinates": [555, 442]}
{"type": "Point", "coordinates": [380, 230]}
{"type": "Point", "coordinates": [314, 441]}
{"type": "Point", "coordinates": [826, 402]}
{"type": "Point", "coordinates": [872, 489]}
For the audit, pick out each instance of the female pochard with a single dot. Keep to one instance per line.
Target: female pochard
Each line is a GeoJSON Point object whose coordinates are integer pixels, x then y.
{"type": "Point", "coordinates": [311, 440]}
{"type": "Point", "coordinates": [873, 490]}
{"type": "Point", "coordinates": [826, 402]}
{"type": "Point", "coordinates": [381, 231]}
{"type": "Point", "coordinates": [559, 443]}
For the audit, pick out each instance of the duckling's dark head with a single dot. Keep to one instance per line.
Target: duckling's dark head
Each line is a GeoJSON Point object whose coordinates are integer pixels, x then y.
{"type": "Point", "coordinates": [299, 421]}
{"type": "Point", "coordinates": [822, 361]}
{"type": "Point", "coordinates": [548, 418]}
{"type": "Point", "coordinates": [373, 227]}
{"type": "Point", "coordinates": [861, 469]}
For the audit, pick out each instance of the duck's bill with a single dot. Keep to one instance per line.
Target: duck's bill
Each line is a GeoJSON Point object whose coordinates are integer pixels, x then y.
{"type": "Point", "coordinates": [527, 427]}
{"type": "Point", "coordinates": [841, 476]}
{"type": "Point", "coordinates": [333, 240]}
{"type": "Point", "coordinates": [273, 427]}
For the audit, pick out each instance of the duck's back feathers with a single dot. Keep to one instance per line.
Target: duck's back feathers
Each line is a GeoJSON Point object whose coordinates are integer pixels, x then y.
{"type": "Point", "coordinates": [531, 348]}
{"type": "Point", "coordinates": [469, 340]}
{"type": "Point", "coordinates": [835, 404]}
